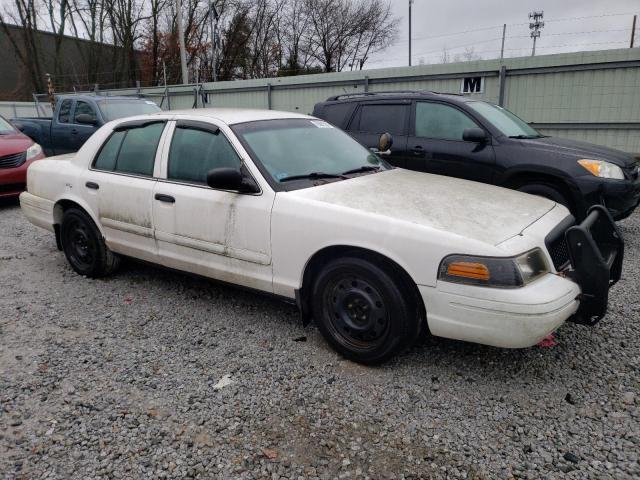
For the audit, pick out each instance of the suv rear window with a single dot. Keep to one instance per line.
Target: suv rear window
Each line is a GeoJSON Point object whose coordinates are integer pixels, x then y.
{"type": "Point", "coordinates": [382, 118]}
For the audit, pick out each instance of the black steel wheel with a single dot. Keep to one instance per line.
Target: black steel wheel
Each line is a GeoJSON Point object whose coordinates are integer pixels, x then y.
{"type": "Point", "coordinates": [364, 310]}
{"type": "Point", "coordinates": [84, 246]}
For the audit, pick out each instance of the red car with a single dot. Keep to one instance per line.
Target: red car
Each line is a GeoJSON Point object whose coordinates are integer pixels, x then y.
{"type": "Point", "coordinates": [17, 151]}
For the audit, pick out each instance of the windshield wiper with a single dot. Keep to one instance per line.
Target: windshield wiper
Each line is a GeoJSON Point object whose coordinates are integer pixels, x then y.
{"type": "Point", "coordinates": [363, 168]}
{"type": "Point", "coordinates": [313, 176]}
{"type": "Point", "coordinates": [525, 137]}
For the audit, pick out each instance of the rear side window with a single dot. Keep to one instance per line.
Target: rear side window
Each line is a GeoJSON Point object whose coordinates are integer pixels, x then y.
{"type": "Point", "coordinates": [439, 121]}
{"type": "Point", "coordinates": [131, 151]}
{"type": "Point", "coordinates": [65, 110]}
{"type": "Point", "coordinates": [195, 152]}
{"type": "Point", "coordinates": [109, 153]}
{"type": "Point", "coordinates": [338, 114]}
{"type": "Point", "coordinates": [383, 118]}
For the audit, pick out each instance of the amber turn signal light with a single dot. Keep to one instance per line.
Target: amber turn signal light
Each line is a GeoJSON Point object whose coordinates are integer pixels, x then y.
{"type": "Point", "coordinates": [474, 270]}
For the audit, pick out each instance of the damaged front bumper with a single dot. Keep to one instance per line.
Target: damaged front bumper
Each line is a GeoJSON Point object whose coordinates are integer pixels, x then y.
{"type": "Point", "coordinates": [596, 251]}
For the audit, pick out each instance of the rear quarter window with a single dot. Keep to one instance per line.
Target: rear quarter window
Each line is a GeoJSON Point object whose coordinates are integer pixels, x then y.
{"type": "Point", "coordinates": [338, 114]}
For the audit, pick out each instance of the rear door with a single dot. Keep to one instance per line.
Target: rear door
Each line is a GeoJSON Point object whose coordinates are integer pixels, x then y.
{"type": "Point", "coordinates": [61, 127]}
{"type": "Point", "coordinates": [120, 183]}
{"type": "Point", "coordinates": [435, 144]}
{"type": "Point", "coordinates": [372, 119]}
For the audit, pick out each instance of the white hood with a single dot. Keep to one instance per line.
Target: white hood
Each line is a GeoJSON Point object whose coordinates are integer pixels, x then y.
{"type": "Point", "coordinates": [473, 210]}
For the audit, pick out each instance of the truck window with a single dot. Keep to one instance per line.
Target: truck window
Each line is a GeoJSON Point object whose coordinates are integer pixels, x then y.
{"type": "Point", "coordinates": [65, 110]}
{"type": "Point", "coordinates": [83, 108]}
{"type": "Point", "coordinates": [442, 122]}
{"type": "Point", "coordinates": [383, 118]}
{"type": "Point", "coordinates": [118, 108]}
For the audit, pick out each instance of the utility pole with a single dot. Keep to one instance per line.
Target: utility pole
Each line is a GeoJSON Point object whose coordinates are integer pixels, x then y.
{"type": "Point", "coordinates": [410, 2]}
{"type": "Point", "coordinates": [183, 54]}
{"type": "Point", "coordinates": [535, 27]}
{"type": "Point", "coordinates": [213, 28]}
{"type": "Point", "coordinates": [633, 30]}
{"type": "Point", "coordinates": [504, 32]}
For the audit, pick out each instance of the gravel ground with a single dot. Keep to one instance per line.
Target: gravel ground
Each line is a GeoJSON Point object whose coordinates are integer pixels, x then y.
{"type": "Point", "coordinates": [154, 374]}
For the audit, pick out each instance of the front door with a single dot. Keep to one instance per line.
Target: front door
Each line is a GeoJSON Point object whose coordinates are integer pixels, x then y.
{"type": "Point", "coordinates": [217, 233]}
{"type": "Point", "coordinates": [80, 132]}
{"type": "Point", "coordinates": [61, 136]}
{"type": "Point", "coordinates": [436, 145]}
{"type": "Point", "coordinates": [120, 187]}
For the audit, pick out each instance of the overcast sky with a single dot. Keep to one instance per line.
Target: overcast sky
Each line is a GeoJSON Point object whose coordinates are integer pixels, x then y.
{"type": "Point", "coordinates": [440, 24]}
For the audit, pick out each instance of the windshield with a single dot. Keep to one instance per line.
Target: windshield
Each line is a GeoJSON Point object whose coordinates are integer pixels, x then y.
{"type": "Point", "coordinates": [6, 127]}
{"type": "Point", "coordinates": [505, 121]}
{"type": "Point", "coordinates": [112, 109]}
{"type": "Point", "coordinates": [300, 147]}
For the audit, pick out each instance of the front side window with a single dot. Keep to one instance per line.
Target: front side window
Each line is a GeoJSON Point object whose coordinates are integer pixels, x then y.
{"type": "Point", "coordinates": [505, 121]}
{"type": "Point", "coordinates": [195, 152]}
{"type": "Point", "coordinates": [383, 118]}
{"type": "Point", "coordinates": [441, 122]}
{"type": "Point", "coordinates": [131, 151]}
{"type": "Point", "coordinates": [83, 108]}
{"type": "Point", "coordinates": [65, 110]}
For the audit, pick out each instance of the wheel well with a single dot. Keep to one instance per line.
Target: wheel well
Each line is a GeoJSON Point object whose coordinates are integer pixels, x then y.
{"type": "Point", "coordinates": [58, 211]}
{"type": "Point", "coordinates": [527, 178]}
{"type": "Point", "coordinates": [321, 257]}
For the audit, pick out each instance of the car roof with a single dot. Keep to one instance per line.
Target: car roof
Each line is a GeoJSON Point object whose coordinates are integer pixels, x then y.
{"type": "Point", "coordinates": [398, 95]}
{"type": "Point", "coordinates": [231, 116]}
{"type": "Point", "coordinates": [72, 96]}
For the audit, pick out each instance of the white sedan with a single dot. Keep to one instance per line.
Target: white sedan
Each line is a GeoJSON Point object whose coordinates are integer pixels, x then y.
{"type": "Point", "coordinates": [285, 203]}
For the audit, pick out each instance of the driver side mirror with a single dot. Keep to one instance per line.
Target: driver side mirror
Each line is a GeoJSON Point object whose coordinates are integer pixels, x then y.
{"type": "Point", "coordinates": [385, 142]}
{"type": "Point", "coordinates": [227, 178]}
{"type": "Point", "coordinates": [476, 135]}
{"type": "Point", "coordinates": [85, 118]}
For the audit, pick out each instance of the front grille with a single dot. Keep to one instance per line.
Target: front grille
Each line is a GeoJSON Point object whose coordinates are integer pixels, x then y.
{"type": "Point", "coordinates": [559, 252]}
{"type": "Point", "coordinates": [557, 244]}
{"type": "Point", "coordinates": [14, 160]}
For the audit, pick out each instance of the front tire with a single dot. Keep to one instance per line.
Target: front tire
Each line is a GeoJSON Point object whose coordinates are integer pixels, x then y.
{"type": "Point", "coordinates": [84, 246]}
{"type": "Point", "coordinates": [365, 311]}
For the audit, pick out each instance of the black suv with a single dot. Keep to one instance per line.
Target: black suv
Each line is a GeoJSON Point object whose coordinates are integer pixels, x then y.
{"type": "Point", "coordinates": [459, 136]}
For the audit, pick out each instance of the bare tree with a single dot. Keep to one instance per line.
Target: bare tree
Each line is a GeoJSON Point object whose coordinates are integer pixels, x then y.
{"type": "Point", "coordinates": [345, 32]}
{"type": "Point", "coordinates": [56, 14]}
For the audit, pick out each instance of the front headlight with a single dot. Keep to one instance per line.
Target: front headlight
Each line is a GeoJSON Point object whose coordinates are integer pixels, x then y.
{"type": "Point", "coordinates": [602, 169]}
{"type": "Point", "coordinates": [507, 272]}
{"type": "Point", "coordinates": [33, 151]}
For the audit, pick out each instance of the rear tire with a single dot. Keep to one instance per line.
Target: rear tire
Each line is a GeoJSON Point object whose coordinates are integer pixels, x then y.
{"type": "Point", "coordinates": [84, 246]}
{"type": "Point", "coordinates": [365, 311]}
